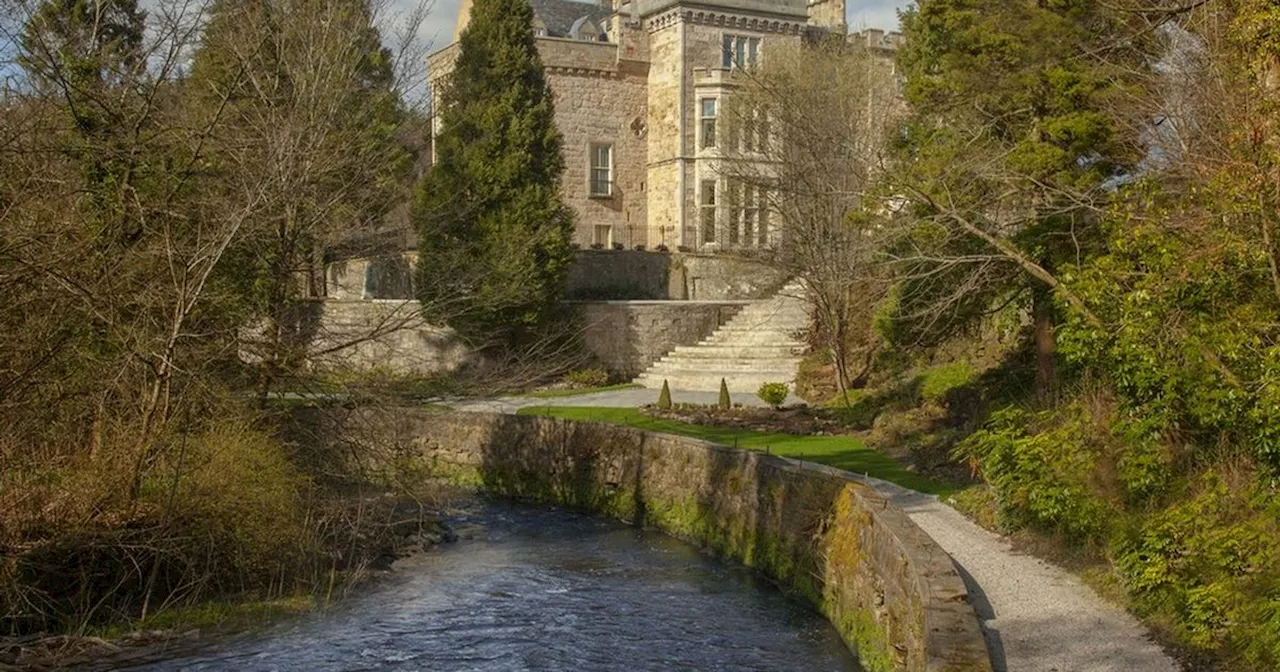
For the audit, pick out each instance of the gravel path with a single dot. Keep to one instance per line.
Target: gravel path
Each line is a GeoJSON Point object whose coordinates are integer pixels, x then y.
{"type": "Point", "coordinates": [1037, 617]}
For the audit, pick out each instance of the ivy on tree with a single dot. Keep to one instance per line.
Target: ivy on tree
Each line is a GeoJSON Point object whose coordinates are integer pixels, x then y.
{"type": "Point", "coordinates": [494, 234]}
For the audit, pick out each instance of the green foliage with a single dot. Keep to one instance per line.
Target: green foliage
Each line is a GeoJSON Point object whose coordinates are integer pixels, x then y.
{"type": "Point", "coordinates": [664, 397]}
{"type": "Point", "coordinates": [494, 248]}
{"type": "Point", "coordinates": [79, 45]}
{"type": "Point", "coordinates": [1041, 471]}
{"type": "Point", "coordinates": [587, 378]}
{"type": "Point", "coordinates": [1208, 565]}
{"type": "Point", "coordinates": [773, 394]}
{"type": "Point", "coordinates": [724, 401]}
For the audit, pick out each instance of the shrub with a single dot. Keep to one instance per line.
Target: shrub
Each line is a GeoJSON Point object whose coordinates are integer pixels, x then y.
{"type": "Point", "coordinates": [662, 247]}
{"type": "Point", "coordinates": [639, 248]}
{"type": "Point", "coordinates": [587, 378]}
{"type": "Point", "coordinates": [683, 248]}
{"type": "Point", "coordinates": [619, 246]}
{"type": "Point", "coordinates": [597, 246]}
{"type": "Point", "coordinates": [724, 394]}
{"type": "Point", "coordinates": [773, 394]}
{"type": "Point", "coordinates": [1040, 466]}
{"type": "Point", "coordinates": [664, 397]}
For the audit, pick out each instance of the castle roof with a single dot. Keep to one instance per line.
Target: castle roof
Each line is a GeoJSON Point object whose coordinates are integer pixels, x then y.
{"type": "Point", "coordinates": [564, 18]}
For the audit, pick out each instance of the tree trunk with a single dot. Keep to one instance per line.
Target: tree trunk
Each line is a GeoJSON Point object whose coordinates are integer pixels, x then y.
{"type": "Point", "coordinates": [1045, 342]}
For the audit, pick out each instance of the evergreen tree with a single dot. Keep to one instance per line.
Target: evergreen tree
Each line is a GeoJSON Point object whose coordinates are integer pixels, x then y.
{"type": "Point", "coordinates": [494, 234]}
{"type": "Point", "coordinates": [1013, 139]}
{"type": "Point", "coordinates": [724, 401]}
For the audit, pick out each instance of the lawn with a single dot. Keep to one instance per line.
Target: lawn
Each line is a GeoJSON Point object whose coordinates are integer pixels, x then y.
{"type": "Point", "coordinates": [556, 394]}
{"type": "Point", "coordinates": [843, 452]}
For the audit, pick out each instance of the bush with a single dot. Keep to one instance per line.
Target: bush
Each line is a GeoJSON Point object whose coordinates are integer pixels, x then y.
{"type": "Point", "coordinates": [724, 394]}
{"type": "Point", "coordinates": [664, 397]}
{"type": "Point", "coordinates": [619, 247]}
{"type": "Point", "coordinates": [597, 246]}
{"type": "Point", "coordinates": [662, 247]}
{"type": "Point", "coordinates": [773, 394]}
{"type": "Point", "coordinates": [639, 248]}
{"type": "Point", "coordinates": [1040, 466]}
{"type": "Point", "coordinates": [587, 378]}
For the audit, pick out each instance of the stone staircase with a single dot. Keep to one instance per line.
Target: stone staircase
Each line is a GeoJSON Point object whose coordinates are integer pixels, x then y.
{"type": "Point", "coordinates": [761, 344]}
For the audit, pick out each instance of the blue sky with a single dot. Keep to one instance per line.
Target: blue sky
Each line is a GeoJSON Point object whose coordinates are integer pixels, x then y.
{"type": "Point", "coordinates": [438, 29]}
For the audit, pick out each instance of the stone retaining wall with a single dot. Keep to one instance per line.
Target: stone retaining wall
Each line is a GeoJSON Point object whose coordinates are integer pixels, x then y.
{"type": "Point", "coordinates": [895, 597]}
{"type": "Point", "coordinates": [628, 336]}
{"type": "Point", "coordinates": [631, 275]}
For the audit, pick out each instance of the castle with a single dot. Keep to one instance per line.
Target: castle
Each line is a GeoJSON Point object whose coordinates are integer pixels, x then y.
{"type": "Point", "coordinates": [640, 86]}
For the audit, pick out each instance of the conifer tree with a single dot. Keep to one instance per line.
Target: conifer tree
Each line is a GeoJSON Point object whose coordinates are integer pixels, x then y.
{"type": "Point", "coordinates": [724, 401]}
{"type": "Point", "coordinates": [494, 234]}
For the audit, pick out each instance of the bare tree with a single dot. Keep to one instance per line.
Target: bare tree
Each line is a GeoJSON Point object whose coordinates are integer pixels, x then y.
{"type": "Point", "coordinates": [802, 147]}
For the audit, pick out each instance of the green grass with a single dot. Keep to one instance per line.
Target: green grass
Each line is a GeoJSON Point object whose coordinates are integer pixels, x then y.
{"type": "Point", "coordinates": [556, 394]}
{"type": "Point", "coordinates": [217, 614]}
{"type": "Point", "coordinates": [842, 452]}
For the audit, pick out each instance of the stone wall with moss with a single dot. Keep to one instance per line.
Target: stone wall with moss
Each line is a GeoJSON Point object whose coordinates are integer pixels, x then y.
{"type": "Point", "coordinates": [818, 532]}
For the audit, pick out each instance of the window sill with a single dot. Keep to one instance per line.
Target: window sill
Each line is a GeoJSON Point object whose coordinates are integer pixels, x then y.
{"type": "Point", "coordinates": [600, 197]}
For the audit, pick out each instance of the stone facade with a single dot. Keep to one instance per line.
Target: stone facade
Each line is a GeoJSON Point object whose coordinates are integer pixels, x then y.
{"type": "Point", "coordinates": [819, 533]}
{"type": "Point", "coordinates": [628, 336]}
{"type": "Point", "coordinates": [637, 76]}
{"type": "Point", "coordinates": [673, 276]}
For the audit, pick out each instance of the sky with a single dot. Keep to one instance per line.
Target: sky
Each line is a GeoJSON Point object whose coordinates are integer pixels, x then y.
{"type": "Point", "coordinates": [437, 30]}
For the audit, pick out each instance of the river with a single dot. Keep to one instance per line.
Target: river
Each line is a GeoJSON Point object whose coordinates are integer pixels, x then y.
{"type": "Point", "coordinates": [542, 589]}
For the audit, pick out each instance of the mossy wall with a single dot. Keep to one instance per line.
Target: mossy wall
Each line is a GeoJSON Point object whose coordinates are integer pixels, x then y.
{"type": "Point", "coordinates": [893, 594]}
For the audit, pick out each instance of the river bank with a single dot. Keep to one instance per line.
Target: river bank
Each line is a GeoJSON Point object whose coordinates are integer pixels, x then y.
{"type": "Point", "coordinates": [394, 528]}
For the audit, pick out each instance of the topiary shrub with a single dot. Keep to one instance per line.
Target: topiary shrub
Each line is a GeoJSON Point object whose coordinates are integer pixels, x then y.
{"type": "Point", "coordinates": [773, 394]}
{"type": "Point", "coordinates": [664, 397]}
{"type": "Point", "coordinates": [724, 394]}
{"type": "Point", "coordinates": [619, 247]}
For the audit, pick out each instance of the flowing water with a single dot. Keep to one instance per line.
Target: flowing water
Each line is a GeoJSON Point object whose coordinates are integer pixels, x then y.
{"type": "Point", "coordinates": [542, 589]}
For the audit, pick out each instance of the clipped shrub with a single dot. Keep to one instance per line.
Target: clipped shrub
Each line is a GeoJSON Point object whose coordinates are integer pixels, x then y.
{"type": "Point", "coordinates": [597, 246]}
{"type": "Point", "coordinates": [773, 394]}
{"type": "Point", "coordinates": [724, 394]}
{"type": "Point", "coordinates": [639, 248]}
{"type": "Point", "coordinates": [662, 247]}
{"type": "Point", "coordinates": [619, 246]}
{"type": "Point", "coordinates": [664, 397]}
{"type": "Point", "coordinates": [587, 378]}
{"type": "Point", "coordinates": [683, 248]}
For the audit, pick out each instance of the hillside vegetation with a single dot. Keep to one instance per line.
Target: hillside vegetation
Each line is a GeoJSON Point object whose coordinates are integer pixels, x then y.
{"type": "Point", "coordinates": [1075, 222]}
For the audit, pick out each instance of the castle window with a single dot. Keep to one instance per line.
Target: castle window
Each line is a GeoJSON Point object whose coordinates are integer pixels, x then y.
{"type": "Point", "coordinates": [603, 236]}
{"type": "Point", "coordinates": [601, 170]}
{"type": "Point", "coordinates": [740, 52]}
{"type": "Point", "coordinates": [707, 211]}
{"type": "Point", "coordinates": [708, 125]}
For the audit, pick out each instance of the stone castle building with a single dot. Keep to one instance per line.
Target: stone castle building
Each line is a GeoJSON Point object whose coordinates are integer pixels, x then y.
{"type": "Point", "coordinates": [640, 86]}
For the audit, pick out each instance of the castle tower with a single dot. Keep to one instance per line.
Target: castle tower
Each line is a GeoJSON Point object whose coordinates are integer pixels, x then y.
{"type": "Point", "coordinates": [823, 13]}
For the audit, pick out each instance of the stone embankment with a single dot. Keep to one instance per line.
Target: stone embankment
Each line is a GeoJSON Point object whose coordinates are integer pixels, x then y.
{"type": "Point", "coordinates": [892, 593]}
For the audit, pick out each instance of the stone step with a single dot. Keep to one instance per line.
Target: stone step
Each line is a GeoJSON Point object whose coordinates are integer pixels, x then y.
{"type": "Point", "coordinates": [712, 351]}
{"type": "Point", "coordinates": [681, 363]}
